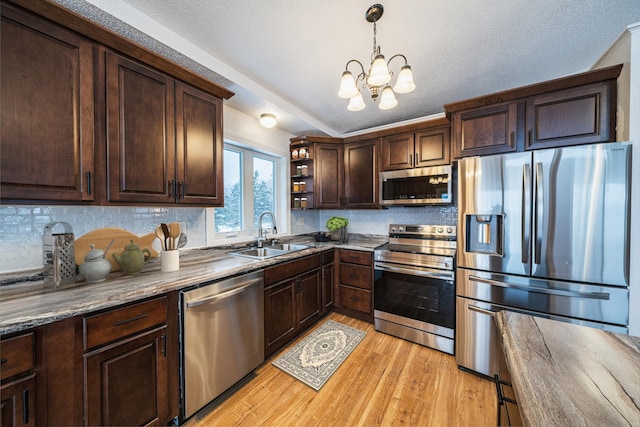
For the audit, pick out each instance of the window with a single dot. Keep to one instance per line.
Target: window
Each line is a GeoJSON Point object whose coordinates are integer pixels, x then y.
{"type": "Point", "coordinates": [250, 182]}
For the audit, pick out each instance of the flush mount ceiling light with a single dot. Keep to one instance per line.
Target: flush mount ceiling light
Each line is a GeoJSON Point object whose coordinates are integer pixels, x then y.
{"type": "Point", "coordinates": [378, 77]}
{"type": "Point", "coordinates": [267, 120]}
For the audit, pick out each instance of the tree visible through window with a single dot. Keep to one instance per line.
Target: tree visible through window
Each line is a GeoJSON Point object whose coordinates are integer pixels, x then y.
{"type": "Point", "coordinates": [246, 169]}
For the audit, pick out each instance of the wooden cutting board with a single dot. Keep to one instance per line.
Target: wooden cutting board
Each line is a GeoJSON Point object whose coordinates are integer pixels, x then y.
{"type": "Point", "coordinates": [101, 238]}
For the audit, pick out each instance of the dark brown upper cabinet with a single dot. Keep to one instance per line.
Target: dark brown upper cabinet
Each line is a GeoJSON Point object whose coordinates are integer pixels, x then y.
{"type": "Point", "coordinates": [47, 111]}
{"type": "Point", "coordinates": [579, 109]}
{"type": "Point", "coordinates": [329, 175]}
{"type": "Point", "coordinates": [164, 138]}
{"type": "Point", "coordinates": [411, 150]}
{"type": "Point", "coordinates": [361, 174]}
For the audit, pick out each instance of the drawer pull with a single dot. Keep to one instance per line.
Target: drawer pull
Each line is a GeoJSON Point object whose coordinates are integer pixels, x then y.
{"type": "Point", "coordinates": [3, 360]}
{"type": "Point", "coordinates": [133, 319]}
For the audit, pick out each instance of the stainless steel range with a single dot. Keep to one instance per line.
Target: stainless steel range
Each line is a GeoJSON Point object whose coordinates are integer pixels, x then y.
{"type": "Point", "coordinates": [414, 293]}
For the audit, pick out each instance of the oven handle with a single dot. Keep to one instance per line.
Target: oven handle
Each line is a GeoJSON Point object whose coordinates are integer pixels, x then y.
{"type": "Point", "coordinates": [482, 310]}
{"type": "Point", "coordinates": [415, 272]}
{"type": "Point", "coordinates": [590, 295]}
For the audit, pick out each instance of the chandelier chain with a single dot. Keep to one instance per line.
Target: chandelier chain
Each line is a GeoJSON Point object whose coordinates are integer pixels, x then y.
{"type": "Point", "coordinates": [373, 54]}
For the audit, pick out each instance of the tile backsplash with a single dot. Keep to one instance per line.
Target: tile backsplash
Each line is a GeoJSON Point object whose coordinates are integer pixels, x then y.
{"type": "Point", "coordinates": [21, 227]}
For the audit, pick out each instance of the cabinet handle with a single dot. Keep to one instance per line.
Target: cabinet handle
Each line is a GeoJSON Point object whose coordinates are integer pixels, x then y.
{"type": "Point", "coordinates": [3, 360]}
{"type": "Point", "coordinates": [133, 319]}
{"type": "Point", "coordinates": [171, 188]}
{"type": "Point", "coordinates": [89, 183]}
{"type": "Point", "coordinates": [181, 189]}
{"type": "Point", "coordinates": [415, 160]}
{"type": "Point", "coordinates": [512, 138]}
{"type": "Point", "coordinates": [25, 406]}
{"type": "Point", "coordinates": [164, 345]}
{"type": "Point", "coordinates": [410, 159]}
{"type": "Point", "coordinates": [530, 137]}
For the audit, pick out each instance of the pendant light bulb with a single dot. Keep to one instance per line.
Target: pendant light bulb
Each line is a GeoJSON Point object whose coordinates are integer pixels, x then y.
{"type": "Point", "coordinates": [387, 99]}
{"type": "Point", "coordinates": [348, 87]}
{"type": "Point", "coordinates": [356, 103]}
{"type": "Point", "coordinates": [379, 74]}
{"type": "Point", "coordinates": [404, 83]}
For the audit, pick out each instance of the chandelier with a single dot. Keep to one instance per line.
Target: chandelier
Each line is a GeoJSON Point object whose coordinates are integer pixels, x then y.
{"type": "Point", "coordinates": [378, 78]}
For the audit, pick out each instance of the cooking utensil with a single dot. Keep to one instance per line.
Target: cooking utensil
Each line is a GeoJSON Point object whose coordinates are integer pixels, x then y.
{"type": "Point", "coordinates": [182, 240]}
{"type": "Point", "coordinates": [165, 231]}
{"type": "Point", "coordinates": [174, 233]}
{"type": "Point", "coordinates": [160, 236]}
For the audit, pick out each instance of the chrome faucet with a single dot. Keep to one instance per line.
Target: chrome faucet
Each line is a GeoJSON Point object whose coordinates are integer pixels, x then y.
{"type": "Point", "coordinates": [262, 234]}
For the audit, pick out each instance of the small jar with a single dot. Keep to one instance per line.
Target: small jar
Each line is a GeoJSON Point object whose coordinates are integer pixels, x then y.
{"type": "Point", "coordinates": [303, 186]}
{"type": "Point", "coordinates": [298, 170]}
{"type": "Point", "coordinates": [296, 202]}
{"type": "Point", "coordinates": [307, 154]}
{"type": "Point", "coordinates": [302, 152]}
{"type": "Point", "coordinates": [305, 170]}
{"type": "Point", "coordinates": [296, 187]}
{"type": "Point", "coordinates": [303, 202]}
{"type": "Point", "coordinates": [294, 154]}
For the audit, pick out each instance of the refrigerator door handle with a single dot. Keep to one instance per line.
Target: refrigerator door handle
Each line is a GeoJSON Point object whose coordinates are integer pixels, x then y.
{"type": "Point", "coordinates": [526, 212]}
{"type": "Point", "coordinates": [539, 212]}
{"type": "Point", "coordinates": [589, 295]}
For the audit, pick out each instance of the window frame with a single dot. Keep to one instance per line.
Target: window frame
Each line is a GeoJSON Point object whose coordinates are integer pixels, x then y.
{"type": "Point", "coordinates": [248, 231]}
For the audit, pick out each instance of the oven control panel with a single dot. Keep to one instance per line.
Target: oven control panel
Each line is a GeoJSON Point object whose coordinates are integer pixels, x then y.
{"type": "Point", "coordinates": [441, 231]}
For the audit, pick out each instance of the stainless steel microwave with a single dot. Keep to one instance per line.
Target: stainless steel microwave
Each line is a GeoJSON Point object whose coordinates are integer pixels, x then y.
{"type": "Point", "coordinates": [420, 186]}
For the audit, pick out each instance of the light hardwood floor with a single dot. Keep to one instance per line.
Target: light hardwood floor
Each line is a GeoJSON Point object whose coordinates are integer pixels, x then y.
{"type": "Point", "coordinates": [385, 381]}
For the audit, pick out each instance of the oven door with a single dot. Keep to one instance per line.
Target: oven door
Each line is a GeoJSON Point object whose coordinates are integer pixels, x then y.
{"type": "Point", "coordinates": [424, 298]}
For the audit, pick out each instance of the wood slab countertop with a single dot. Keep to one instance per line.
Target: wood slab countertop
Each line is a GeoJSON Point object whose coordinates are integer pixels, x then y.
{"type": "Point", "coordinates": [566, 374]}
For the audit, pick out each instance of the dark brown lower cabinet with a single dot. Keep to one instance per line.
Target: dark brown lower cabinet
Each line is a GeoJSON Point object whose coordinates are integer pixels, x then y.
{"type": "Point", "coordinates": [18, 402]}
{"type": "Point", "coordinates": [294, 304]}
{"type": "Point", "coordinates": [354, 293]}
{"type": "Point", "coordinates": [126, 382]}
{"type": "Point", "coordinates": [328, 272]}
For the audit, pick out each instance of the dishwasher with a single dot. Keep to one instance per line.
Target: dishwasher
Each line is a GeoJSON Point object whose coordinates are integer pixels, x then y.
{"type": "Point", "coordinates": [222, 337]}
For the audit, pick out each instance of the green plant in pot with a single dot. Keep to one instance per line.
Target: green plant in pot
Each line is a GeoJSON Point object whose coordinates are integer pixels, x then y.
{"type": "Point", "coordinates": [337, 226]}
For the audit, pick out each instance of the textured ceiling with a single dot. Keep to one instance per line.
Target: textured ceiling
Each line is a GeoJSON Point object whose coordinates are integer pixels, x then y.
{"type": "Point", "coordinates": [287, 56]}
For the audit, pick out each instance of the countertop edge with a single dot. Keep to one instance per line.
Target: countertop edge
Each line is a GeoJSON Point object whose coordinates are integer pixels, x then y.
{"type": "Point", "coordinates": [40, 306]}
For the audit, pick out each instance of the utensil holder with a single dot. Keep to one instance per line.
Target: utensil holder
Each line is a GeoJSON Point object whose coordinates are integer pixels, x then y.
{"type": "Point", "coordinates": [170, 261]}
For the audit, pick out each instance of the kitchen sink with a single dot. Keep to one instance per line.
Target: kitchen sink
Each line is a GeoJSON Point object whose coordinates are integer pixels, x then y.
{"type": "Point", "coordinates": [288, 247]}
{"type": "Point", "coordinates": [269, 251]}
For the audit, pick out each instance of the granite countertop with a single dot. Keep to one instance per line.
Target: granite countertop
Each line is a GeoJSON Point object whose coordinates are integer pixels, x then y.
{"type": "Point", "coordinates": [29, 304]}
{"type": "Point", "coordinates": [565, 374]}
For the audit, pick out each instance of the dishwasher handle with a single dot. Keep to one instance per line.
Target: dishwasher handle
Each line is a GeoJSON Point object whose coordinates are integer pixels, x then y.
{"type": "Point", "coordinates": [227, 294]}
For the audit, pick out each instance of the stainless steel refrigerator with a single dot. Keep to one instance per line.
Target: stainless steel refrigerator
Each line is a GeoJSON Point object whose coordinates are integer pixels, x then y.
{"type": "Point", "coordinates": [543, 232]}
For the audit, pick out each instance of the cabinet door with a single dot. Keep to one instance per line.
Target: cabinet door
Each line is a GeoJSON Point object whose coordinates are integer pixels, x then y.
{"type": "Point", "coordinates": [18, 402]}
{"type": "Point", "coordinates": [126, 383]}
{"type": "Point", "coordinates": [361, 174]}
{"type": "Point", "coordinates": [328, 175]}
{"type": "Point", "coordinates": [280, 316]}
{"type": "Point", "coordinates": [327, 286]}
{"type": "Point", "coordinates": [397, 152]}
{"type": "Point", "coordinates": [140, 133]}
{"type": "Point", "coordinates": [46, 111]}
{"type": "Point", "coordinates": [580, 115]}
{"type": "Point", "coordinates": [485, 130]}
{"type": "Point", "coordinates": [432, 147]}
{"type": "Point", "coordinates": [309, 299]}
{"type": "Point", "coordinates": [198, 147]}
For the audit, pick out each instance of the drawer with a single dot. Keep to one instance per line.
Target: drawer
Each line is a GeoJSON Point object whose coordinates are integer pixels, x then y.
{"type": "Point", "coordinates": [355, 257]}
{"type": "Point", "coordinates": [289, 269]}
{"type": "Point", "coordinates": [355, 275]}
{"type": "Point", "coordinates": [121, 322]}
{"type": "Point", "coordinates": [355, 299]}
{"type": "Point", "coordinates": [17, 355]}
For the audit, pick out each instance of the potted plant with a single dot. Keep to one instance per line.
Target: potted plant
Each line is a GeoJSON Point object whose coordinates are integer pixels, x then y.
{"type": "Point", "coordinates": [337, 226]}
